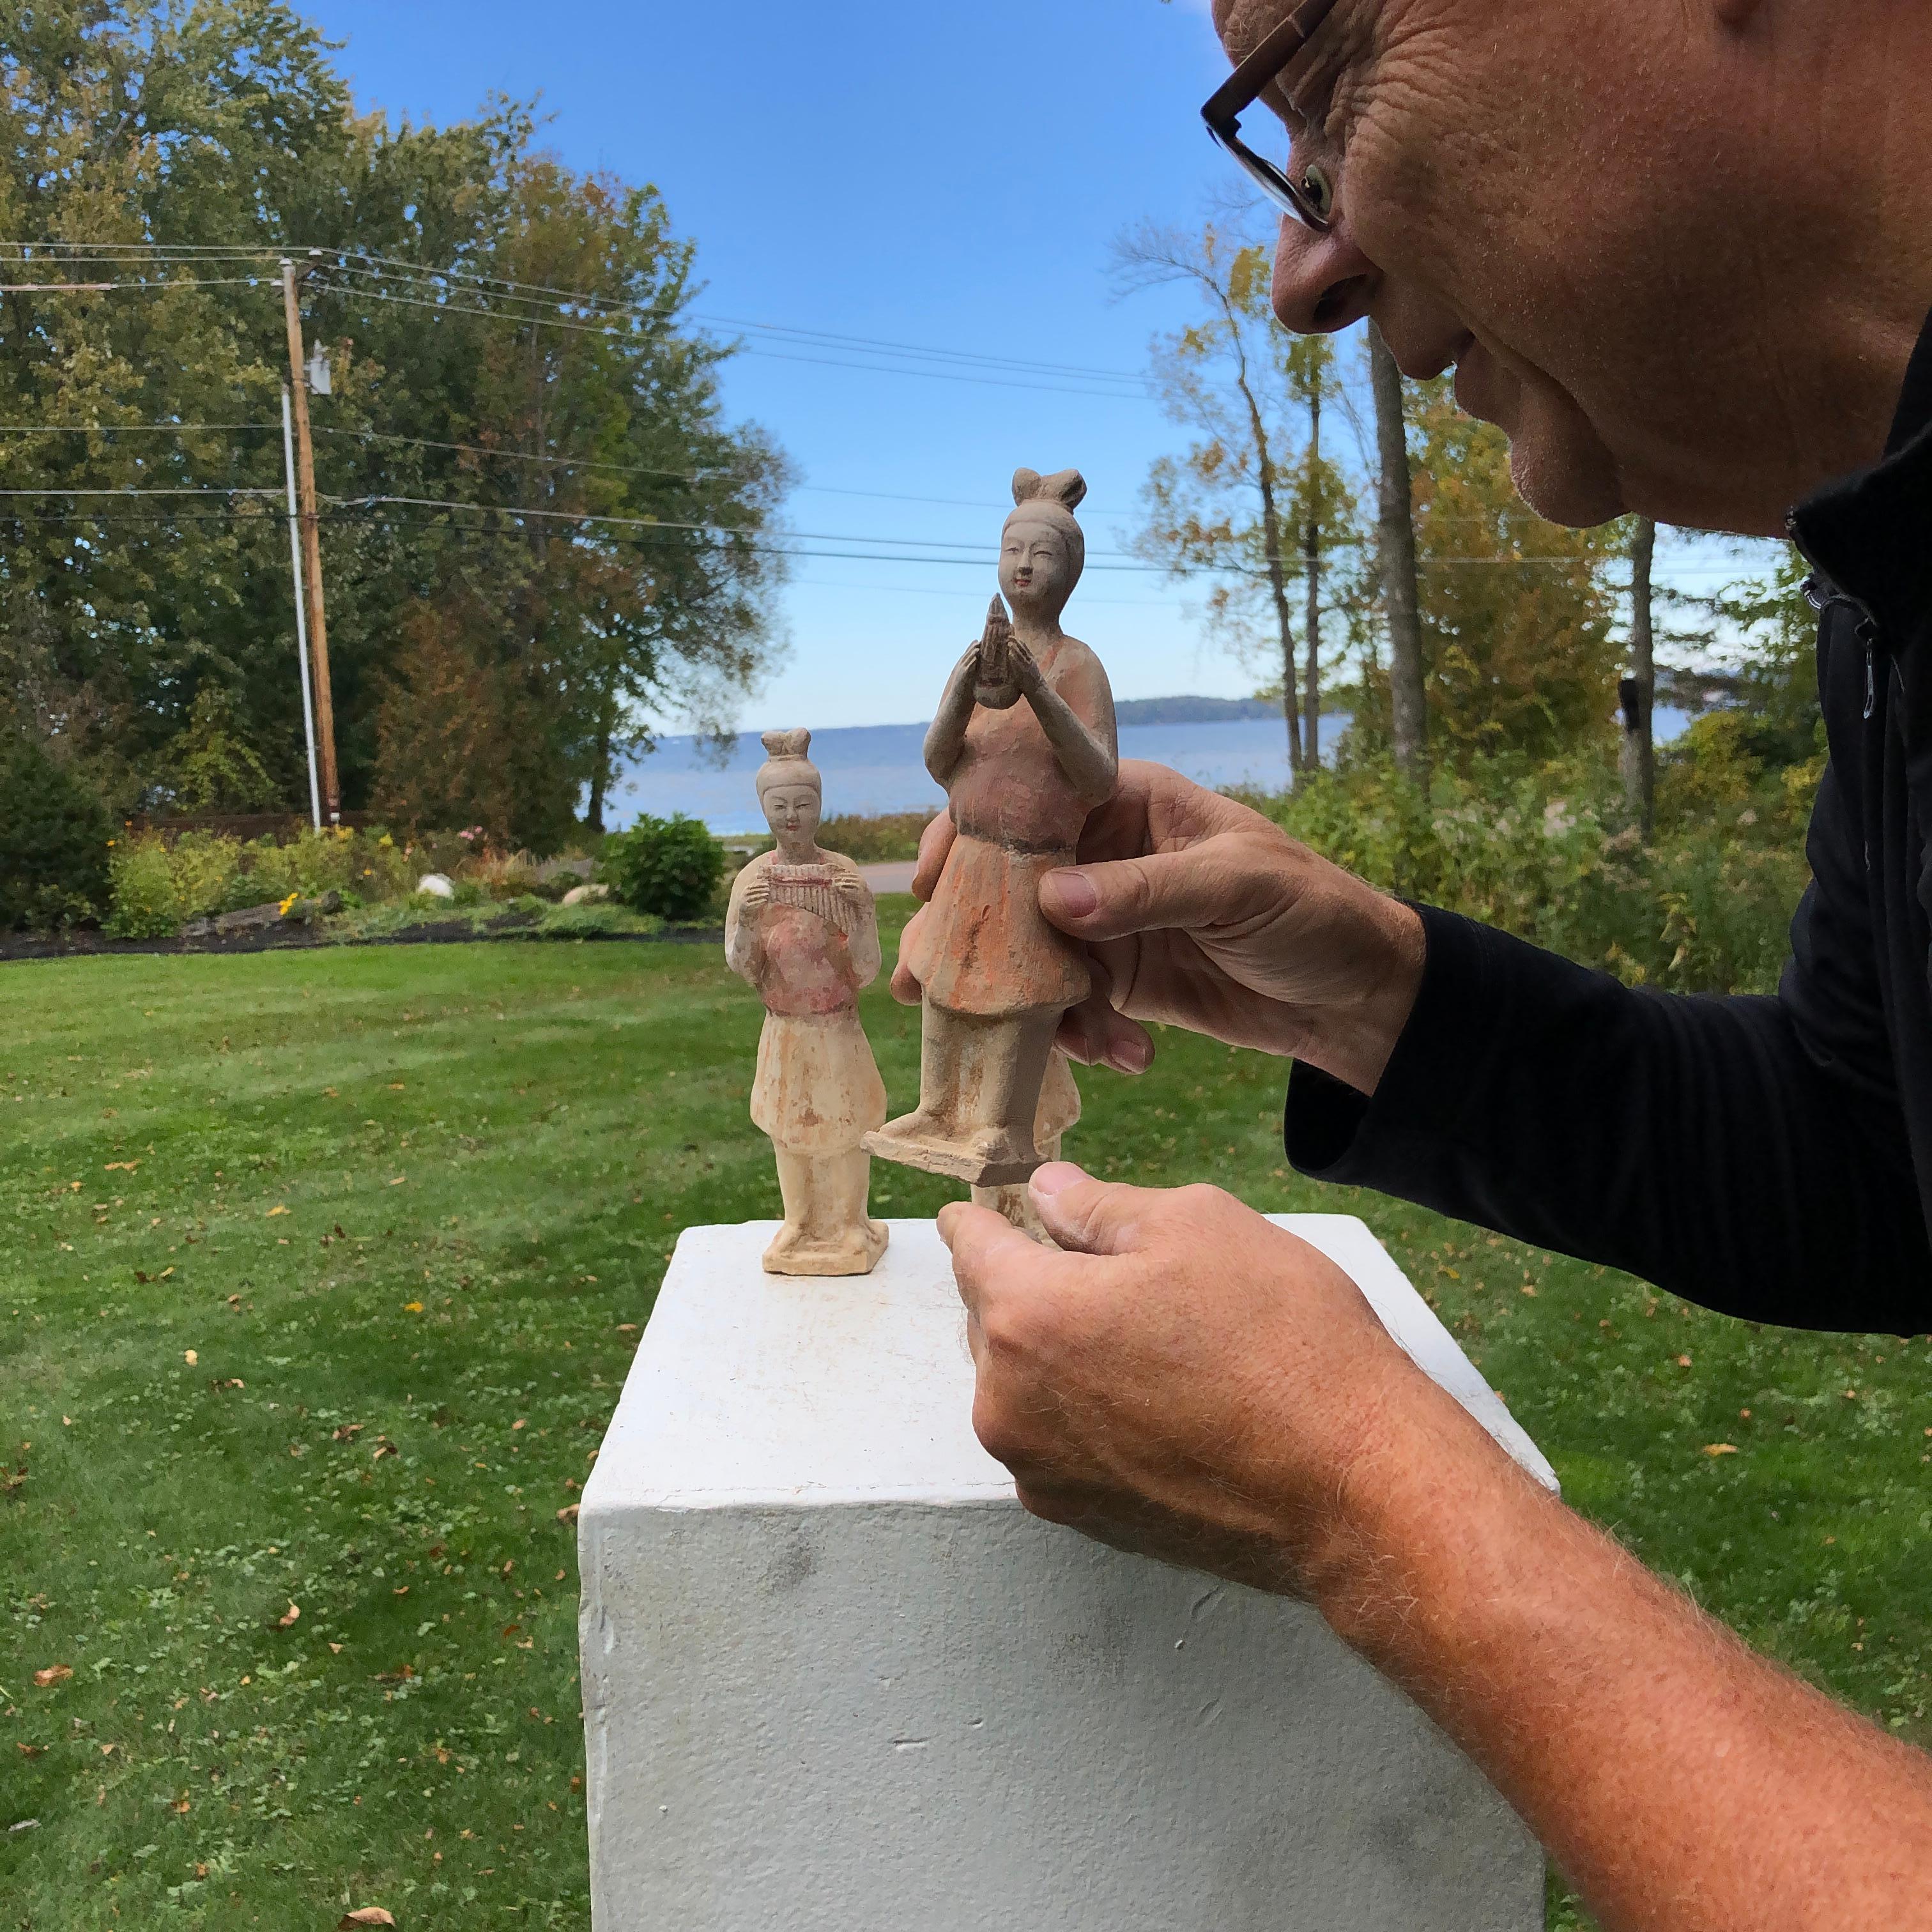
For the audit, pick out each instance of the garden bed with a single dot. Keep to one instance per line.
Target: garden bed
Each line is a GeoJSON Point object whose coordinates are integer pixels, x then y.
{"type": "Point", "coordinates": [293, 936]}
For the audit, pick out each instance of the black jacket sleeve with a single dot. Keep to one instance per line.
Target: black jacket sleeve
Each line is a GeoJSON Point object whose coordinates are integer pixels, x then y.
{"type": "Point", "coordinates": [1710, 1145]}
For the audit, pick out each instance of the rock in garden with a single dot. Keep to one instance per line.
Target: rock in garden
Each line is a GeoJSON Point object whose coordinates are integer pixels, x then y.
{"type": "Point", "coordinates": [434, 886]}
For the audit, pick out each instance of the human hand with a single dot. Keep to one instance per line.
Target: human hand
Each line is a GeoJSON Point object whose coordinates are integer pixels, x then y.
{"type": "Point", "coordinates": [1198, 912]}
{"type": "Point", "coordinates": [1186, 1380]}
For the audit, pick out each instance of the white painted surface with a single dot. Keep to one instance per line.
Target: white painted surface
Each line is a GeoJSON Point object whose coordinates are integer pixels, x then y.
{"type": "Point", "coordinates": [836, 1680]}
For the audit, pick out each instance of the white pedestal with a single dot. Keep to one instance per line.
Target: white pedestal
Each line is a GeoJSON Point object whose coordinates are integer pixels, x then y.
{"type": "Point", "coordinates": [836, 1679]}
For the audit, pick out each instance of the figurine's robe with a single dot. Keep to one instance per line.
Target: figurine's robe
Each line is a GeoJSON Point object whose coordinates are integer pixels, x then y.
{"type": "Point", "coordinates": [818, 1089]}
{"type": "Point", "coordinates": [984, 946]}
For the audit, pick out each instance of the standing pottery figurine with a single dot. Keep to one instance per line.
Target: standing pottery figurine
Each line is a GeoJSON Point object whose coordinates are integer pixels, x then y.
{"type": "Point", "coordinates": [1059, 1109]}
{"type": "Point", "coordinates": [1020, 779]}
{"type": "Point", "coordinates": [802, 929]}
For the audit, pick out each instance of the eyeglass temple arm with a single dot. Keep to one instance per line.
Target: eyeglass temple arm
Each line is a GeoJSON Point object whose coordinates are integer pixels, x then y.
{"type": "Point", "coordinates": [1245, 86]}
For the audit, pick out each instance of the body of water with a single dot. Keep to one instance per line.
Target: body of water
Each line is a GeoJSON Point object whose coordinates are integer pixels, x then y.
{"type": "Point", "coordinates": [877, 768]}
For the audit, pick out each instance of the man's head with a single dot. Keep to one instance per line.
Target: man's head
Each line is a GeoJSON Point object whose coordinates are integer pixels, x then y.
{"type": "Point", "coordinates": [1679, 250]}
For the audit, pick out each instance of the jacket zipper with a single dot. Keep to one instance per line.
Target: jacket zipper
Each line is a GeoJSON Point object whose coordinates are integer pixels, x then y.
{"type": "Point", "coordinates": [1821, 593]}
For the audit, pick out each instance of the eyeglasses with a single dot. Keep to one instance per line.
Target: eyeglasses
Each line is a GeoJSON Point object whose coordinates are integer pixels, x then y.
{"type": "Point", "coordinates": [1310, 195]}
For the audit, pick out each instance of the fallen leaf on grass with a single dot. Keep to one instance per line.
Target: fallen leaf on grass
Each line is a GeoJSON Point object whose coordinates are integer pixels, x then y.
{"type": "Point", "coordinates": [365, 1915]}
{"type": "Point", "coordinates": [568, 1513]}
{"type": "Point", "coordinates": [627, 1327]}
{"type": "Point", "coordinates": [412, 1308]}
{"type": "Point", "coordinates": [294, 1611]}
{"type": "Point", "coordinates": [399, 1179]}
{"type": "Point", "coordinates": [278, 1209]}
{"type": "Point", "coordinates": [1720, 1448]}
{"type": "Point", "coordinates": [121, 1167]}
{"type": "Point", "coordinates": [350, 1431]}
{"type": "Point", "coordinates": [382, 1449]}
{"type": "Point", "coordinates": [31, 1751]}
{"type": "Point", "coordinates": [190, 1357]}
{"type": "Point", "coordinates": [54, 1673]}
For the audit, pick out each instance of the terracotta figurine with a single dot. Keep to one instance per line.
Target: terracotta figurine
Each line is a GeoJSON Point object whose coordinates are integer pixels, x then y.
{"type": "Point", "coordinates": [1020, 779]}
{"type": "Point", "coordinates": [802, 929]}
{"type": "Point", "coordinates": [1059, 1110]}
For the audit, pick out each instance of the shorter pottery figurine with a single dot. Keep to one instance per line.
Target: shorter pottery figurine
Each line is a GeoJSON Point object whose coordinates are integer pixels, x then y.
{"type": "Point", "coordinates": [1059, 1110]}
{"type": "Point", "coordinates": [801, 929]}
{"type": "Point", "coordinates": [1023, 742]}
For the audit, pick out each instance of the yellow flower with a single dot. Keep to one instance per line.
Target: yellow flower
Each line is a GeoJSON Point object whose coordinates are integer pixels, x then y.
{"type": "Point", "coordinates": [289, 902]}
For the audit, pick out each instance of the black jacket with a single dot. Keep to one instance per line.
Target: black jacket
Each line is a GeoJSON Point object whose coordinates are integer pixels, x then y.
{"type": "Point", "coordinates": [1770, 1157]}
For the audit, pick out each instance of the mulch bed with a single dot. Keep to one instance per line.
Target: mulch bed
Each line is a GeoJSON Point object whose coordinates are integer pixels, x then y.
{"type": "Point", "coordinates": [520, 926]}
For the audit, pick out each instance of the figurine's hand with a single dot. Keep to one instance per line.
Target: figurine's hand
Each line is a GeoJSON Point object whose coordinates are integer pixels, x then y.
{"type": "Point", "coordinates": [1186, 1379]}
{"type": "Point", "coordinates": [757, 894]}
{"type": "Point", "coordinates": [852, 886]}
{"type": "Point", "coordinates": [1026, 670]}
{"type": "Point", "coordinates": [1199, 913]}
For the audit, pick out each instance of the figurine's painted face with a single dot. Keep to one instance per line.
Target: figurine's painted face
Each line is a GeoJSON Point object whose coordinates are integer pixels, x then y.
{"type": "Point", "coordinates": [792, 812]}
{"type": "Point", "coordinates": [1036, 571]}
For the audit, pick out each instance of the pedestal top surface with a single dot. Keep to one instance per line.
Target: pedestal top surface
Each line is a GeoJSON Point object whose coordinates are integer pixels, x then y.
{"type": "Point", "coordinates": [750, 1388]}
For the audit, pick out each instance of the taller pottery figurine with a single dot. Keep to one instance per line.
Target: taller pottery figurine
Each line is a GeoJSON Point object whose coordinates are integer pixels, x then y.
{"type": "Point", "coordinates": [802, 929]}
{"type": "Point", "coordinates": [1020, 779]}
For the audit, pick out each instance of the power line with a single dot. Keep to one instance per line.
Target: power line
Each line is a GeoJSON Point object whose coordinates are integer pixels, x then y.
{"type": "Point", "coordinates": [115, 288]}
{"type": "Point", "coordinates": [215, 490]}
{"type": "Point", "coordinates": [118, 429]}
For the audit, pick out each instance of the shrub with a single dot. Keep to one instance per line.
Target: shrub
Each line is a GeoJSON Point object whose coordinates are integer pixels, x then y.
{"type": "Point", "coordinates": [668, 867]}
{"type": "Point", "coordinates": [158, 886]}
{"type": "Point", "coordinates": [54, 837]}
{"type": "Point", "coordinates": [1546, 853]}
{"type": "Point", "coordinates": [881, 839]}
{"type": "Point", "coordinates": [147, 904]}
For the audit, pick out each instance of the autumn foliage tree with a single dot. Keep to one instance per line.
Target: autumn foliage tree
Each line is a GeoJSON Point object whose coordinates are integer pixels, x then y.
{"type": "Point", "coordinates": [1253, 508]}
{"type": "Point", "coordinates": [525, 433]}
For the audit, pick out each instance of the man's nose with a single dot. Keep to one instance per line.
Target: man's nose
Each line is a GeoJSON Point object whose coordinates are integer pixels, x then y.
{"type": "Point", "coordinates": [1322, 282]}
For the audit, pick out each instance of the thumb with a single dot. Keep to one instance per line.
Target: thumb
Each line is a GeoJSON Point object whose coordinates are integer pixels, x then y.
{"type": "Point", "coordinates": [1189, 891]}
{"type": "Point", "coordinates": [1085, 1216]}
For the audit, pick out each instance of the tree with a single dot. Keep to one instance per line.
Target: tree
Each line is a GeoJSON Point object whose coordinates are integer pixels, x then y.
{"type": "Point", "coordinates": [1516, 612]}
{"type": "Point", "coordinates": [1639, 755]}
{"type": "Point", "coordinates": [1408, 713]}
{"type": "Point", "coordinates": [428, 257]}
{"type": "Point", "coordinates": [1252, 503]}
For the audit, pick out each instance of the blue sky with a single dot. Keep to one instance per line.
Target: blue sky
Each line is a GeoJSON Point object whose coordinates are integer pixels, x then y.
{"type": "Point", "coordinates": [943, 176]}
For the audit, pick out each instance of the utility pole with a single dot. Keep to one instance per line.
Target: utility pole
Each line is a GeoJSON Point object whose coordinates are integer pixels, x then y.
{"type": "Point", "coordinates": [302, 618]}
{"type": "Point", "coordinates": [311, 545]}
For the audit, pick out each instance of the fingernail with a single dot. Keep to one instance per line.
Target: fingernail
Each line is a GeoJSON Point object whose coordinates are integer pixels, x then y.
{"type": "Point", "coordinates": [944, 1219]}
{"type": "Point", "coordinates": [1074, 890]}
{"type": "Point", "coordinates": [1133, 1056]}
{"type": "Point", "coordinates": [1056, 1177]}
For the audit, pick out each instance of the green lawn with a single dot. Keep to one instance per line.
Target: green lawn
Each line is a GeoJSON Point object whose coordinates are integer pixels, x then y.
{"type": "Point", "coordinates": [322, 1276]}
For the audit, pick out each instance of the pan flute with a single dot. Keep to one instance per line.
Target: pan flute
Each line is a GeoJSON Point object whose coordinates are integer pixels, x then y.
{"type": "Point", "coordinates": [814, 889]}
